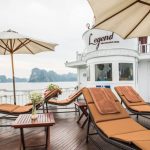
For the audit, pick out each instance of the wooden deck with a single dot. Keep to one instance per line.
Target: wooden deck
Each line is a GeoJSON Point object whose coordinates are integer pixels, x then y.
{"type": "Point", "coordinates": [66, 134]}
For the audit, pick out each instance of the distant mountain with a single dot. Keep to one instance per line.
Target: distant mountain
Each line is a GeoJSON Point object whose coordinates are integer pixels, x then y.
{"type": "Point", "coordinates": [41, 75]}
{"type": "Point", "coordinates": [4, 79]}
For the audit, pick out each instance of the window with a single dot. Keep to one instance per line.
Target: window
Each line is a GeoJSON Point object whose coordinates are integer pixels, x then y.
{"type": "Point", "coordinates": [143, 44]}
{"type": "Point", "coordinates": [103, 72]}
{"type": "Point", "coordinates": [125, 71]}
{"type": "Point", "coordinates": [88, 73]}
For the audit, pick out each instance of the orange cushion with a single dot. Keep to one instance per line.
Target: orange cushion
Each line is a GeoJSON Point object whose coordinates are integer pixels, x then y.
{"type": "Point", "coordinates": [145, 145]}
{"type": "Point", "coordinates": [134, 136]}
{"type": "Point", "coordinates": [99, 117]}
{"type": "Point", "coordinates": [22, 109]}
{"type": "Point", "coordinates": [8, 107]}
{"type": "Point", "coordinates": [131, 95]}
{"type": "Point", "coordinates": [87, 96]}
{"type": "Point", "coordinates": [120, 126]}
{"type": "Point", "coordinates": [60, 102]}
{"type": "Point", "coordinates": [104, 102]}
{"type": "Point", "coordinates": [131, 104]}
{"type": "Point", "coordinates": [141, 108]}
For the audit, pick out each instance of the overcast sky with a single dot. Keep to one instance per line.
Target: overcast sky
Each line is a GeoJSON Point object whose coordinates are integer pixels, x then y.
{"type": "Point", "coordinates": [59, 21]}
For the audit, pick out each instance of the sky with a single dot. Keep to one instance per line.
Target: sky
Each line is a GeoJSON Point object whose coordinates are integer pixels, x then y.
{"type": "Point", "coordinates": [59, 21]}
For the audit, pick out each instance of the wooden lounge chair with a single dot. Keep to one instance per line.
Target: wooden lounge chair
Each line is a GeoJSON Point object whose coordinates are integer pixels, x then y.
{"type": "Point", "coordinates": [66, 101]}
{"type": "Point", "coordinates": [133, 101]}
{"type": "Point", "coordinates": [15, 110]}
{"type": "Point", "coordinates": [12, 109]}
{"type": "Point", "coordinates": [112, 122]}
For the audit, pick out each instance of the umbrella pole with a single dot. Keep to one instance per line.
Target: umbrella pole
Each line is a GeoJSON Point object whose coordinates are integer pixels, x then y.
{"type": "Point", "coordinates": [13, 77]}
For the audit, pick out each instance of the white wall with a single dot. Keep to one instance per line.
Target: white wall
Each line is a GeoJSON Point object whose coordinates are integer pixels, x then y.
{"type": "Point", "coordinates": [82, 77]}
{"type": "Point", "coordinates": [115, 60]}
{"type": "Point", "coordinates": [144, 79]}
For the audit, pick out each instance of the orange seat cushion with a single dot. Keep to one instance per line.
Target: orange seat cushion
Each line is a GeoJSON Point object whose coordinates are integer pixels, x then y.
{"type": "Point", "coordinates": [66, 101]}
{"type": "Point", "coordinates": [87, 96]}
{"type": "Point", "coordinates": [8, 107]}
{"type": "Point", "coordinates": [134, 136]}
{"type": "Point", "coordinates": [22, 109]}
{"type": "Point", "coordinates": [141, 108]}
{"type": "Point", "coordinates": [145, 145]}
{"type": "Point", "coordinates": [104, 102]}
{"type": "Point", "coordinates": [120, 126]}
{"type": "Point", "coordinates": [131, 104]}
{"type": "Point", "coordinates": [124, 98]}
{"type": "Point", "coordinates": [60, 102]}
{"type": "Point", "coordinates": [99, 117]}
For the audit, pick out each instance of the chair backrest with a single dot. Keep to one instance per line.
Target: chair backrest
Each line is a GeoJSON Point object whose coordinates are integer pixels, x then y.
{"type": "Point", "coordinates": [96, 115]}
{"type": "Point", "coordinates": [52, 93]}
{"type": "Point", "coordinates": [75, 95]}
{"type": "Point", "coordinates": [129, 96]}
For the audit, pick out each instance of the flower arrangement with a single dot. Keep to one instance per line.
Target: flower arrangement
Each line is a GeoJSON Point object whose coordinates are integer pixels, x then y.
{"type": "Point", "coordinates": [35, 98]}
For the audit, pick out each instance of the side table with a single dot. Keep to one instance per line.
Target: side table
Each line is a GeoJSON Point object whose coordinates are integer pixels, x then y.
{"type": "Point", "coordinates": [44, 120]}
{"type": "Point", "coordinates": [83, 107]}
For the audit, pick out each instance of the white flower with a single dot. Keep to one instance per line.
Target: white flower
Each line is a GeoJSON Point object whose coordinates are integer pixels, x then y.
{"type": "Point", "coordinates": [36, 97]}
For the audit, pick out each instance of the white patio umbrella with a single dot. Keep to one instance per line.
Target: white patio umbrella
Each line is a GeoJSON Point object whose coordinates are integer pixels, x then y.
{"type": "Point", "coordinates": [13, 43]}
{"type": "Point", "coordinates": [127, 18]}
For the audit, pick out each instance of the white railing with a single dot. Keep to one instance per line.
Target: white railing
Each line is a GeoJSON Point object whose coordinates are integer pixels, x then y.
{"type": "Point", "coordinates": [144, 48]}
{"type": "Point", "coordinates": [23, 98]}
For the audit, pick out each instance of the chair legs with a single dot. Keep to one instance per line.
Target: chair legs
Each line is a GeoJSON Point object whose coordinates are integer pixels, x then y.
{"type": "Point", "coordinates": [88, 129]}
{"type": "Point", "coordinates": [46, 107]}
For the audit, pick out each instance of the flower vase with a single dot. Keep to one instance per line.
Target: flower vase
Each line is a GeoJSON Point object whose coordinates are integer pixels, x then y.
{"type": "Point", "coordinates": [34, 114]}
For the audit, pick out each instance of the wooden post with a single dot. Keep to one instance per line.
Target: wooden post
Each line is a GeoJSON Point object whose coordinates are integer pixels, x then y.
{"type": "Point", "coordinates": [13, 77]}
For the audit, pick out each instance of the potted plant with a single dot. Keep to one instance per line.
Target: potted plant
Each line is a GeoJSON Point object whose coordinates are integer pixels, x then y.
{"type": "Point", "coordinates": [35, 98]}
{"type": "Point", "coordinates": [51, 87]}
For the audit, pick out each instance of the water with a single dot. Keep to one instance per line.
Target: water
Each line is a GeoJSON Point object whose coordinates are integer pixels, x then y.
{"type": "Point", "coordinates": [23, 89]}
{"type": "Point", "coordinates": [28, 86]}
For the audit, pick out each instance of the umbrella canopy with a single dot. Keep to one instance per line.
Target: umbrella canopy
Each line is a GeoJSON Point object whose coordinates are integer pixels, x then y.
{"type": "Point", "coordinates": [12, 42]}
{"type": "Point", "coordinates": [127, 18]}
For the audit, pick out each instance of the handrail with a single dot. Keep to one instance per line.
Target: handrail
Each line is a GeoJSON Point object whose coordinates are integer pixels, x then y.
{"type": "Point", "coordinates": [23, 98]}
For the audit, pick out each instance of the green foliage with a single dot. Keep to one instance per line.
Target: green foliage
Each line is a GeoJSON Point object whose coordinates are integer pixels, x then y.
{"type": "Point", "coordinates": [52, 87]}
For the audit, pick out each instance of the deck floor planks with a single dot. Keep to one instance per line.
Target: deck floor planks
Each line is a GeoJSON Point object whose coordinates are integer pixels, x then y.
{"type": "Point", "coordinates": [66, 134]}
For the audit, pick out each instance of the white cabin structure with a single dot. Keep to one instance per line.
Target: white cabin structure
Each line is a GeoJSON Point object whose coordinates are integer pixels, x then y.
{"type": "Point", "coordinates": [108, 61]}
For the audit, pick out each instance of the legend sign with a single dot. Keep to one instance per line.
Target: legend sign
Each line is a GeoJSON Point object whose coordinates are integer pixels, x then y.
{"type": "Point", "coordinates": [108, 39]}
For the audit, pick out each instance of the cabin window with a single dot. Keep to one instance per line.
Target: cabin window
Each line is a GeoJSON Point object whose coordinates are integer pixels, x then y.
{"type": "Point", "coordinates": [125, 71]}
{"type": "Point", "coordinates": [103, 72]}
{"type": "Point", "coordinates": [143, 44]}
{"type": "Point", "coordinates": [88, 73]}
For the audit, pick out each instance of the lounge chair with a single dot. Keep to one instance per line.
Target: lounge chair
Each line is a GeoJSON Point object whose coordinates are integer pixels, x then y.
{"type": "Point", "coordinates": [66, 101]}
{"type": "Point", "coordinates": [112, 122]}
{"type": "Point", "coordinates": [132, 100]}
{"type": "Point", "coordinates": [15, 110]}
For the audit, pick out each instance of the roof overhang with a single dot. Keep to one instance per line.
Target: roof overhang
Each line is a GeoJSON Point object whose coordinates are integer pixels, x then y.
{"type": "Point", "coordinates": [75, 64]}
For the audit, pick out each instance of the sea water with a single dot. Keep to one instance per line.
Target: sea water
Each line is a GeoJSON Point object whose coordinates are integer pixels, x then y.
{"type": "Point", "coordinates": [24, 88]}
{"type": "Point", "coordinates": [28, 86]}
